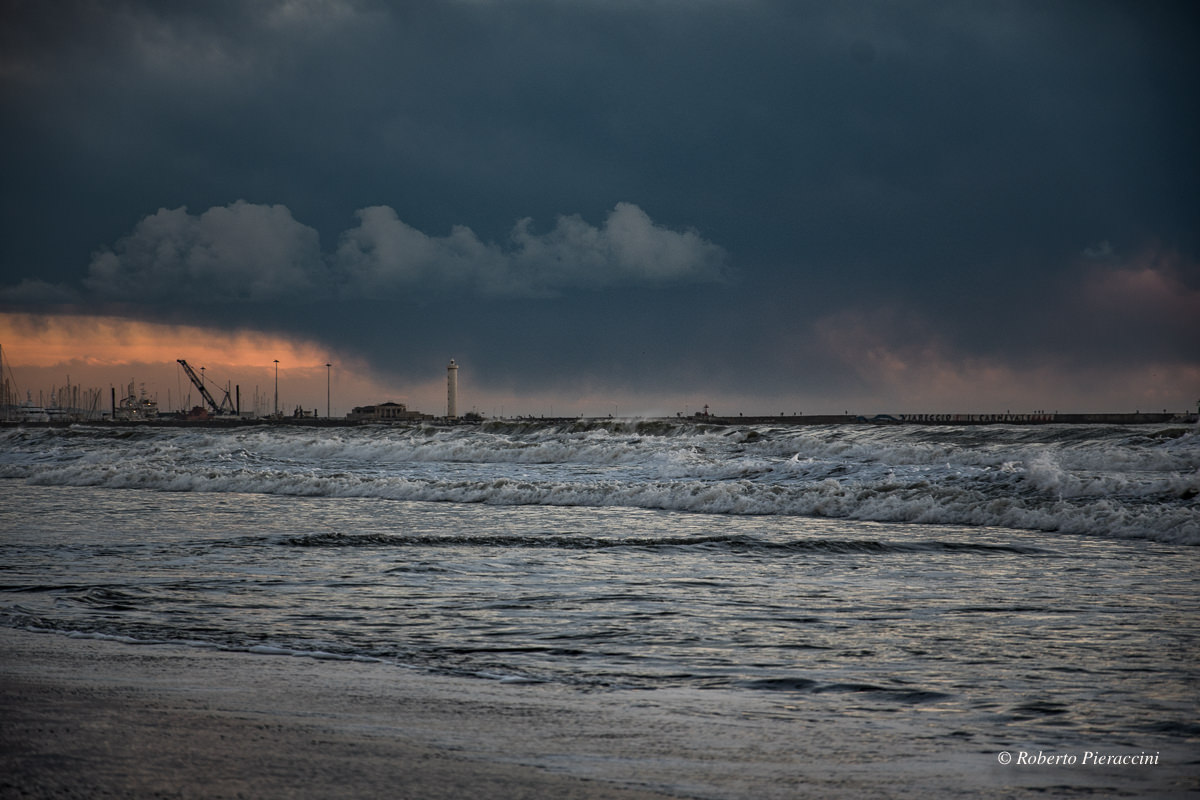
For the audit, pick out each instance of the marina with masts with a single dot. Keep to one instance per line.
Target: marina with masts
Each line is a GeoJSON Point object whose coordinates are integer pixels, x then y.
{"type": "Point", "coordinates": [72, 403]}
{"type": "Point", "coordinates": [69, 402]}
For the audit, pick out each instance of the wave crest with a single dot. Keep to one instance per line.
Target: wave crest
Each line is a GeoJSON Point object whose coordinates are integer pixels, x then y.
{"type": "Point", "coordinates": [1108, 481]}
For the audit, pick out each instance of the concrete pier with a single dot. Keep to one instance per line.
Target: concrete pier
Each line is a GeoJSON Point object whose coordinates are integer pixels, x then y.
{"type": "Point", "coordinates": [1136, 418]}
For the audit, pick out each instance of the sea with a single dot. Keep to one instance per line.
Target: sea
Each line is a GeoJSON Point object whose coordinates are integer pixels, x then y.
{"type": "Point", "coordinates": [964, 593]}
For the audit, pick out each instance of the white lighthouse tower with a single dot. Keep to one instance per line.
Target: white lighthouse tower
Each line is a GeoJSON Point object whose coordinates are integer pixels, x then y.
{"type": "Point", "coordinates": [452, 390]}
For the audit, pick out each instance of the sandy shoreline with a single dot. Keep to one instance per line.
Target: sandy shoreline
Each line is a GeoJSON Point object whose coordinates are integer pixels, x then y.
{"type": "Point", "coordinates": [88, 718]}
{"type": "Point", "coordinates": [98, 718]}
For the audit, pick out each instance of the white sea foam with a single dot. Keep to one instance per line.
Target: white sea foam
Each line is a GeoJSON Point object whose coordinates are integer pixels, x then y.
{"type": "Point", "coordinates": [1120, 482]}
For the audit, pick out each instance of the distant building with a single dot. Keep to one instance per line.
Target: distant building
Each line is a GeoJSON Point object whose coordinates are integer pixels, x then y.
{"type": "Point", "coordinates": [385, 412]}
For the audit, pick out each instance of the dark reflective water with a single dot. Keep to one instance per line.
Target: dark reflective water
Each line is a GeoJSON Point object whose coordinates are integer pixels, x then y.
{"type": "Point", "coordinates": [977, 637]}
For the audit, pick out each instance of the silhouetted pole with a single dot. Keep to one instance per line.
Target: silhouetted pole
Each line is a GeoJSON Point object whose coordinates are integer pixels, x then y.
{"type": "Point", "coordinates": [327, 394]}
{"type": "Point", "coordinates": [277, 387]}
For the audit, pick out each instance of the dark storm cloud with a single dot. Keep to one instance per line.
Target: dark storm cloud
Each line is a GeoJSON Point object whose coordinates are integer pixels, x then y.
{"type": "Point", "coordinates": [711, 185]}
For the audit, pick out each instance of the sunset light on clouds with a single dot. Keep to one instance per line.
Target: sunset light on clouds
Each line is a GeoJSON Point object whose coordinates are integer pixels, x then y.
{"type": "Point", "coordinates": [48, 341]}
{"type": "Point", "coordinates": [448, 345]}
{"type": "Point", "coordinates": [813, 207]}
{"type": "Point", "coordinates": [45, 350]}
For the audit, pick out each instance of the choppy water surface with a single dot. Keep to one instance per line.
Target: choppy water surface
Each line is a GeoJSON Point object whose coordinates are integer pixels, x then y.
{"type": "Point", "coordinates": [1005, 586]}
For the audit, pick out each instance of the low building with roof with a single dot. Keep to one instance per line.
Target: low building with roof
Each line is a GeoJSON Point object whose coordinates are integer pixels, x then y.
{"type": "Point", "coordinates": [386, 412]}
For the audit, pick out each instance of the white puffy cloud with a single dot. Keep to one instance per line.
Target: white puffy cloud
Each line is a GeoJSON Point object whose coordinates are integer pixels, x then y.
{"type": "Point", "coordinates": [256, 253]}
{"type": "Point", "coordinates": [384, 253]}
{"type": "Point", "coordinates": [242, 252]}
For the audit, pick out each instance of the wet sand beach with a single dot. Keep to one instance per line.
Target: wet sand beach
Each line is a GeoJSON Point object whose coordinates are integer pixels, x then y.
{"type": "Point", "coordinates": [88, 718]}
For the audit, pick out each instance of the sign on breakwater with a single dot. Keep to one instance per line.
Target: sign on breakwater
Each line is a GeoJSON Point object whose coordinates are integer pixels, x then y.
{"type": "Point", "coordinates": [977, 419]}
{"type": "Point", "coordinates": [1136, 418]}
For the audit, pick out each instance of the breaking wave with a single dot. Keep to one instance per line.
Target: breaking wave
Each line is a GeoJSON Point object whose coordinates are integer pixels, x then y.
{"type": "Point", "coordinates": [730, 543]}
{"type": "Point", "coordinates": [1130, 482]}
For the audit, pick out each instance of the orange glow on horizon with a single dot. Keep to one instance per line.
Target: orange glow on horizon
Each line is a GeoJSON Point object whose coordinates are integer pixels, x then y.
{"type": "Point", "coordinates": [48, 341]}
{"type": "Point", "coordinates": [45, 351]}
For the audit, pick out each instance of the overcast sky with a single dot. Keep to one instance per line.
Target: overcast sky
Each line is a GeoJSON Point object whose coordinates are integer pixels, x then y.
{"type": "Point", "coordinates": [765, 206]}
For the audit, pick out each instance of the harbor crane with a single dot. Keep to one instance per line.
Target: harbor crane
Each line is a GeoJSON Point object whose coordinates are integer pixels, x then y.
{"type": "Point", "coordinates": [224, 407]}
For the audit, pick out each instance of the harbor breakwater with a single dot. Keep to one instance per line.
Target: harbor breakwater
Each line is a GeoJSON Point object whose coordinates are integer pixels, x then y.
{"type": "Point", "coordinates": [1135, 418]}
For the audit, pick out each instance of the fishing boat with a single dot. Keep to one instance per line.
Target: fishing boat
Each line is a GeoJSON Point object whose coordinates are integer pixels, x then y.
{"type": "Point", "coordinates": [135, 407]}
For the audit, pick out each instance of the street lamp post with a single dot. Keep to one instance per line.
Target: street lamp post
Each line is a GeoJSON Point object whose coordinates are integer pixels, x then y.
{"type": "Point", "coordinates": [328, 414]}
{"type": "Point", "coordinates": [277, 387]}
